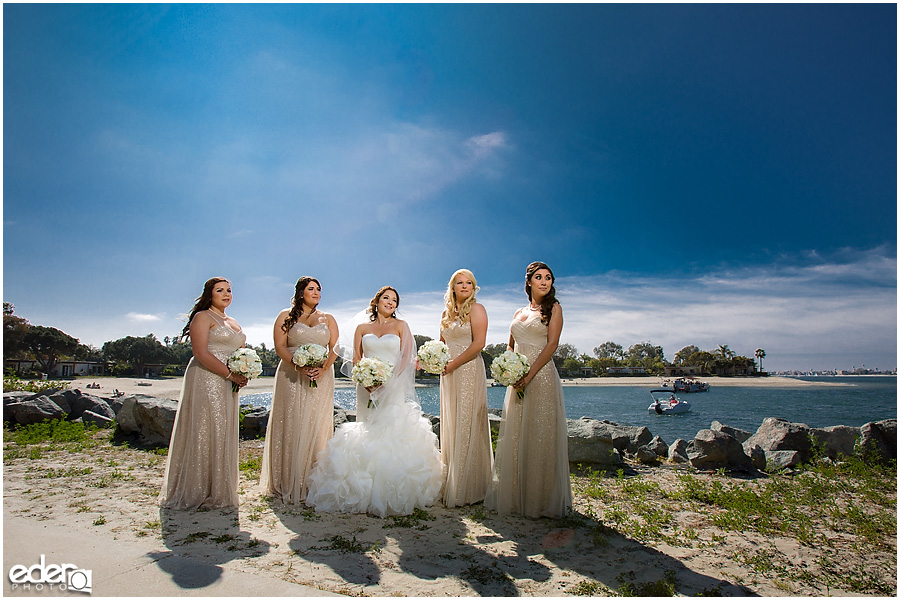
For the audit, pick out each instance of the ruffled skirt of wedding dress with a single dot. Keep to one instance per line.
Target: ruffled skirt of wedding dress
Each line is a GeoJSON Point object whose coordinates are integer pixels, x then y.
{"type": "Point", "coordinates": [388, 465]}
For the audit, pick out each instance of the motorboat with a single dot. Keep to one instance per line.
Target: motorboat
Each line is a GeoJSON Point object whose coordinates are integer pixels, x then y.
{"type": "Point", "coordinates": [689, 385]}
{"type": "Point", "coordinates": [667, 403]}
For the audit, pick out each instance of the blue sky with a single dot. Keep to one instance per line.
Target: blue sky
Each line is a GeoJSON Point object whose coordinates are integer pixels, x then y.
{"type": "Point", "coordinates": [698, 174]}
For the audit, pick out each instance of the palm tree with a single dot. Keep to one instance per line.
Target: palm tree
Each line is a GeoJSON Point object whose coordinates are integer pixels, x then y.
{"type": "Point", "coordinates": [725, 352]}
{"type": "Point", "coordinates": [760, 354]}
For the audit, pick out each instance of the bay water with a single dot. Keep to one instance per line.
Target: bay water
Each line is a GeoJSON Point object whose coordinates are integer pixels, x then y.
{"type": "Point", "coordinates": [856, 401]}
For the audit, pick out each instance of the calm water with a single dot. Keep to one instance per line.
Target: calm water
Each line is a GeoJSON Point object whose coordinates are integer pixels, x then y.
{"type": "Point", "coordinates": [861, 400]}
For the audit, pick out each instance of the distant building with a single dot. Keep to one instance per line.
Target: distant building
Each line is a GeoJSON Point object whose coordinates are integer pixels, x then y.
{"type": "Point", "coordinates": [683, 371]}
{"type": "Point", "coordinates": [64, 368]}
{"type": "Point", "coordinates": [627, 371]}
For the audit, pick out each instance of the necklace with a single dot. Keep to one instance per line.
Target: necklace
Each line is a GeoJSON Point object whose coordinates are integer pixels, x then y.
{"type": "Point", "coordinates": [221, 314]}
{"type": "Point", "coordinates": [534, 307]}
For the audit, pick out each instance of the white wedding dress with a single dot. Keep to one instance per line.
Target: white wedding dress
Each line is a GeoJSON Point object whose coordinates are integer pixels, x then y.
{"type": "Point", "coordinates": [387, 465]}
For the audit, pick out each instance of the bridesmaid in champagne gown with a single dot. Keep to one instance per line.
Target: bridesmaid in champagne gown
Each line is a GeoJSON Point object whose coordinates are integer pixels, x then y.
{"type": "Point", "coordinates": [202, 466]}
{"type": "Point", "coordinates": [465, 431]}
{"type": "Point", "coordinates": [532, 465]}
{"type": "Point", "coordinates": [301, 419]}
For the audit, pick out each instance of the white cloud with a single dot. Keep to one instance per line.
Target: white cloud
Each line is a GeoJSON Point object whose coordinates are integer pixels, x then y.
{"type": "Point", "coordinates": [144, 318]}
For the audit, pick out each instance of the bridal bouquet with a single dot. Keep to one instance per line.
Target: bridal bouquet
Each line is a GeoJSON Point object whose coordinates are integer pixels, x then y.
{"type": "Point", "coordinates": [244, 361]}
{"type": "Point", "coordinates": [371, 372]}
{"type": "Point", "coordinates": [434, 356]}
{"type": "Point", "coordinates": [310, 355]}
{"type": "Point", "coordinates": [510, 367]}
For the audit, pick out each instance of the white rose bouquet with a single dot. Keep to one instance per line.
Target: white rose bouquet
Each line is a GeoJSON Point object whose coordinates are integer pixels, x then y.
{"type": "Point", "coordinates": [510, 367]}
{"type": "Point", "coordinates": [434, 356]}
{"type": "Point", "coordinates": [371, 372]}
{"type": "Point", "coordinates": [246, 362]}
{"type": "Point", "coordinates": [310, 355]}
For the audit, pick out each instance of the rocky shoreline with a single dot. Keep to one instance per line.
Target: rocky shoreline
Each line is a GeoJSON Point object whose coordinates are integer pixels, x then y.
{"type": "Point", "coordinates": [147, 421]}
{"type": "Point", "coordinates": [654, 528]}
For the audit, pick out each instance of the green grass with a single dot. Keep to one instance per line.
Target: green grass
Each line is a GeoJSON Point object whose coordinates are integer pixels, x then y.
{"type": "Point", "coordinates": [13, 383]}
{"type": "Point", "coordinates": [413, 521]}
{"type": "Point", "coordinates": [53, 431]}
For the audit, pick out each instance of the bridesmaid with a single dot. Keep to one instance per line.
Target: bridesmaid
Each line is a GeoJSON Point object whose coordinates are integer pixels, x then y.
{"type": "Point", "coordinates": [532, 463]}
{"type": "Point", "coordinates": [301, 420]}
{"type": "Point", "coordinates": [202, 467]}
{"type": "Point", "coordinates": [465, 432]}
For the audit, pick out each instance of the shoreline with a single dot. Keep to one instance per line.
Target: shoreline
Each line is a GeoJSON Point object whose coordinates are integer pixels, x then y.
{"type": "Point", "coordinates": [170, 387]}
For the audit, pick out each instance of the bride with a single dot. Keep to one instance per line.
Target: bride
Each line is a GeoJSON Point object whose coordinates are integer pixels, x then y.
{"type": "Point", "coordinates": [388, 463]}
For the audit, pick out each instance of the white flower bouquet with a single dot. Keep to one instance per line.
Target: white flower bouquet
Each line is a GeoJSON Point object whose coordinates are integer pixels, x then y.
{"type": "Point", "coordinates": [246, 362]}
{"type": "Point", "coordinates": [434, 356]}
{"type": "Point", "coordinates": [310, 355]}
{"type": "Point", "coordinates": [509, 368]}
{"type": "Point", "coordinates": [371, 372]}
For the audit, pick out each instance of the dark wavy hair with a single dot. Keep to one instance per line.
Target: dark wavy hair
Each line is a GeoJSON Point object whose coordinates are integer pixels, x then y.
{"type": "Point", "coordinates": [297, 302]}
{"type": "Point", "coordinates": [204, 302]}
{"type": "Point", "coordinates": [550, 299]}
{"type": "Point", "coordinates": [373, 305]}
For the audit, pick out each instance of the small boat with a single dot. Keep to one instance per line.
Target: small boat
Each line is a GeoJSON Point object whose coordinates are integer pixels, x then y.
{"type": "Point", "coordinates": [666, 403]}
{"type": "Point", "coordinates": [689, 385]}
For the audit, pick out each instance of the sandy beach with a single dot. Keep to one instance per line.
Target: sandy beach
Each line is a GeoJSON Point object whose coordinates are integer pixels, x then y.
{"type": "Point", "coordinates": [94, 505]}
{"type": "Point", "coordinates": [170, 387]}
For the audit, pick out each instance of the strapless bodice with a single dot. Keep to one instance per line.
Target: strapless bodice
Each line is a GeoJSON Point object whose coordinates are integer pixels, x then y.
{"type": "Point", "coordinates": [458, 337]}
{"type": "Point", "coordinates": [223, 341]}
{"type": "Point", "coordinates": [301, 334]}
{"type": "Point", "coordinates": [530, 335]}
{"type": "Point", "coordinates": [386, 347]}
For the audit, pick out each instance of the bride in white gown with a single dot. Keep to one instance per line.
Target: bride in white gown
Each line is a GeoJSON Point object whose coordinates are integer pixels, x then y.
{"type": "Point", "coordinates": [389, 463]}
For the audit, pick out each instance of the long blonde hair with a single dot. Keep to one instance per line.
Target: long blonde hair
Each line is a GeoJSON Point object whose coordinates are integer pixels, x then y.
{"type": "Point", "coordinates": [449, 315]}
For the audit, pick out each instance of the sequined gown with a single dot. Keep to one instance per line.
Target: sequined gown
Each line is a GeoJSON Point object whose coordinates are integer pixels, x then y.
{"type": "Point", "coordinates": [386, 465]}
{"type": "Point", "coordinates": [301, 421]}
{"type": "Point", "coordinates": [532, 462]}
{"type": "Point", "coordinates": [465, 432]}
{"type": "Point", "coordinates": [202, 467]}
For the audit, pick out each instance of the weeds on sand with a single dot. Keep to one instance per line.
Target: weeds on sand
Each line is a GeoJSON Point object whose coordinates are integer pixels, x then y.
{"type": "Point", "coordinates": [485, 574]}
{"type": "Point", "coordinates": [14, 383]}
{"type": "Point", "coordinates": [251, 467]}
{"type": "Point", "coordinates": [664, 587]}
{"type": "Point", "coordinates": [413, 521]}
{"type": "Point", "coordinates": [56, 431]}
{"type": "Point", "coordinates": [351, 546]}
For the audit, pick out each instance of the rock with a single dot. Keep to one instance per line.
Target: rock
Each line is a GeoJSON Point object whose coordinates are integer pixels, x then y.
{"type": "Point", "coordinates": [757, 456]}
{"type": "Point", "coordinates": [878, 440]}
{"type": "Point", "coordinates": [148, 418]}
{"type": "Point", "coordinates": [659, 446]}
{"type": "Point", "coordinates": [626, 438]}
{"type": "Point", "coordinates": [340, 416]}
{"type": "Point", "coordinates": [256, 420]}
{"type": "Point", "coordinates": [79, 402]}
{"type": "Point", "coordinates": [678, 451]}
{"type": "Point", "coordinates": [714, 450]}
{"type": "Point", "coordinates": [89, 416]}
{"type": "Point", "coordinates": [778, 434]}
{"type": "Point", "coordinates": [646, 455]}
{"type": "Point", "coordinates": [589, 442]}
{"type": "Point", "coordinates": [782, 459]}
{"type": "Point", "coordinates": [738, 434]}
{"type": "Point", "coordinates": [836, 440]}
{"type": "Point", "coordinates": [33, 409]}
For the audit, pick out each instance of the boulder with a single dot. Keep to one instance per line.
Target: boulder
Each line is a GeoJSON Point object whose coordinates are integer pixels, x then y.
{"type": "Point", "coordinates": [714, 450]}
{"type": "Point", "coordinates": [757, 456]}
{"type": "Point", "coordinates": [646, 455]}
{"type": "Point", "coordinates": [255, 420]}
{"type": "Point", "coordinates": [625, 438]}
{"type": "Point", "coordinates": [836, 440]}
{"type": "Point", "coordinates": [782, 459]}
{"type": "Point", "coordinates": [778, 434]}
{"type": "Point", "coordinates": [738, 434]}
{"type": "Point", "coordinates": [878, 439]}
{"type": "Point", "coordinates": [33, 409]}
{"type": "Point", "coordinates": [588, 442]}
{"type": "Point", "coordinates": [659, 446]}
{"type": "Point", "coordinates": [340, 416]}
{"type": "Point", "coordinates": [79, 402]}
{"type": "Point", "coordinates": [678, 451]}
{"type": "Point", "coordinates": [148, 418]}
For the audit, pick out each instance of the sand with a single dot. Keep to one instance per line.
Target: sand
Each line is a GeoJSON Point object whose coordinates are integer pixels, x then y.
{"type": "Point", "coordinates": [170, 387]}
{"type": "Point", "coordinates": [106, 496]}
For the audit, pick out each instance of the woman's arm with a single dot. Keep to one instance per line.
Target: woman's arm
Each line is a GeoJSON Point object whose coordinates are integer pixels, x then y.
{"type": "Point", "coordinates": [554, 330]}
{"type": "Point", "coordinates": [332, 342]}
{"type": "Point", "coordinates": [280, 337]}
{"type": "Point", "coordinates": [479, 321]}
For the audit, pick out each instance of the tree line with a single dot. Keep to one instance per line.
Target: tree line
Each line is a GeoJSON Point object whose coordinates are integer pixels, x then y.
{"type": "Point", "coordinates": [130, 355]}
